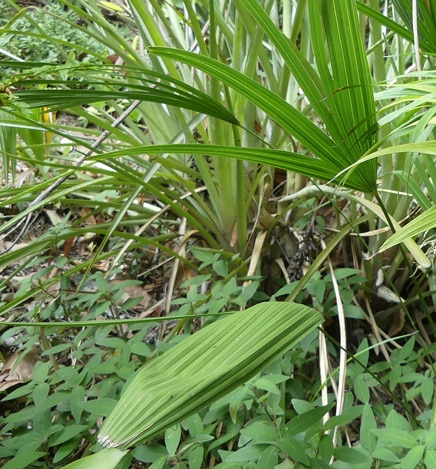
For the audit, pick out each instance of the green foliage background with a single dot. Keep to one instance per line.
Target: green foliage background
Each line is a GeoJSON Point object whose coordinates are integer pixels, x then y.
{"type": "Point", "coordinates": [268, 153]}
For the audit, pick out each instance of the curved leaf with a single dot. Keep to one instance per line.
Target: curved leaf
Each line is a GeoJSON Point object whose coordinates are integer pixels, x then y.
{"type": "Point", "coordinates": [204, 367]}
{"type": "Point", "coordinates": [157, 89]}
{"type": "Point", "coordinates": [425, 221]}
{"type": "Point", "coordinates": [290, 119]}
{"type": "Point", "coordinates": [300, 163]}
{"type": "Point", "coordinates": [107, 458]}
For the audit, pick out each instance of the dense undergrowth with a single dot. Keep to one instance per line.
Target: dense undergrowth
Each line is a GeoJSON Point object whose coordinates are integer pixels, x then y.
{"type": "Point", "coordinates": [178, 179]}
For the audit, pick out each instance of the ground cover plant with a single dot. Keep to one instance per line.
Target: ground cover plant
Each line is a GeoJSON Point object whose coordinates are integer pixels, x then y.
{"type": "Point", "coordinates": [189, 190]}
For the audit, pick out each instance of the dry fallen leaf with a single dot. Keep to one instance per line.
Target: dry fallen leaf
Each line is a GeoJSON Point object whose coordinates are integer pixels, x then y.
{"type": "Point", "coordinates": [133, 291]}
{"type": "Point", "coordinates": [17, 369]}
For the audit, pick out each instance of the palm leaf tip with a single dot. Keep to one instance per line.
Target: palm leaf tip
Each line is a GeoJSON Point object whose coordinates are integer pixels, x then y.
{"type": "Point", "coordinates": [203, 368]}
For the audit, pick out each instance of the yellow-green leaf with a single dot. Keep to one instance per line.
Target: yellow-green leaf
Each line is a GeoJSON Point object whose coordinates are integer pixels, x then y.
{"type": "Point", "coordinates": [423, 222]}
{"type": "Point", "coordinates": [204, 367]}
{"type": "Point", "coordinates": [107, 458]}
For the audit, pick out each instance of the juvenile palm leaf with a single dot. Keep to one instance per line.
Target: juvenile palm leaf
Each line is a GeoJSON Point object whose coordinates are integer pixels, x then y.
{"type": "Point", "coordinates": [204, 367]}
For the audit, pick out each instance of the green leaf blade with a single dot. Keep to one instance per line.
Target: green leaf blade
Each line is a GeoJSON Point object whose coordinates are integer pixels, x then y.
{"type": "Point", "coordinates": [204, 367]}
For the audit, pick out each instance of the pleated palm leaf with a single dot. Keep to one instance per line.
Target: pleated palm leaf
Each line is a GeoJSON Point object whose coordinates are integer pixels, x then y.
{"type": "Point", "coordinates": [205, 366]}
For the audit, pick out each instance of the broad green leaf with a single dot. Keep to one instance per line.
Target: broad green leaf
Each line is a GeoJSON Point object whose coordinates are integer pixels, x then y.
{"type": "Point", "coordinates": [66, 434]}
{"type": "Point", "coordinates": [347, 416]}
{"type": "Point", "coordinates": [98, 406]}
{"type": "Point", "coordinates": [430, 458]}
{"type": "Point", "coordinates": [23, 459]}
{"type": "Point", "coordinates": [413, 458]}
{"type": "Point", "coordinates": [430, 438]}
{"type": "Point", "coordinates": [304, 421]}
{"type": "Point", "coordinates": [325, 448]}
{"type": "Point", "coordinates": [286, 464]}
{"type": "Point", "coordinates": [195, 457]}
{"type": "Point", "coordinates": [295, 449]}
{"type": "Point", "coordinates": [353, 456]}
{"type": "Point", "coordinates": [361, 389]}
{"type": "Point", "coordinates": [368, 425]}
{"type": "Point", "coordinates": [385, 455]}
{"type": "Point", "coordinates": [65, 449]}
{"type": "Point", "coordinates": [266, 384]}
{"type": "Point", "coordinates": [194, 425]}
{"type": "Point", "coordinates": [204, 367]}
{"type": "Point", "coordinates": [394, 437]}
{"type": "Point", "coordinates": [260, 432]}
{"type": "Point", "coordinates": [150, 453]}
{"type": "Point", "coordinates": [172, 439]}
{"type": "Point", "coordinates": [107, 458]}
{"type": "Point", "coordinates": [246, 453]}
{"type": "Point", "coordinates": [269, 457]}
{"type": "Point", "coordinates": [301, 406]}
{"type": "Point", "coordinates": [159, 463]}
{"type": "Point", "coordinates": [427, 389]}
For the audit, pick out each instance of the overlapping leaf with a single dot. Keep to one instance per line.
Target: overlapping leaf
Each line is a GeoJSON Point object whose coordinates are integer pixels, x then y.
{"type": "Point", "coordinates": [204, 367]}
{"type": "Point", "coordinates": [295, 123]}
{"type": "Point", "coordinates": [425, 221]}
{"type": "Point", "coordinates": [154, 87]}
{"type": "Point", "coordinates": [342, 96]}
